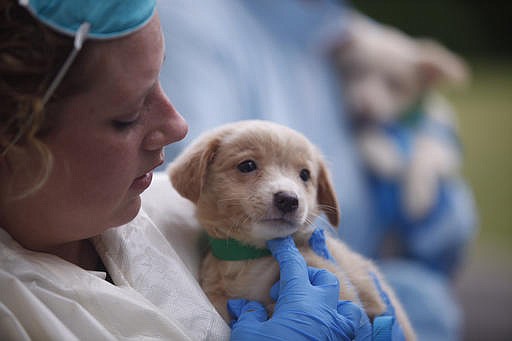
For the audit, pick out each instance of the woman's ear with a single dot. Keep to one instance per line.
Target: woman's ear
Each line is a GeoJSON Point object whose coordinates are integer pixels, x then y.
{"type": "Point", "coordinates": [326, 196]}
{"type": "Point", "coordinates": [188, 172]}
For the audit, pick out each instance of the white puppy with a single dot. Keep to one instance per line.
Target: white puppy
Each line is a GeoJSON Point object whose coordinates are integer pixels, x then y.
{"type": "Point", "coordinates": [407, 133]}
{"type": "Point", "coordinates": [252, 181]}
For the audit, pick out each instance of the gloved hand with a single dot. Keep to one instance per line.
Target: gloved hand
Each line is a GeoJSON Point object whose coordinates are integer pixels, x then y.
{"type": "Point", "coordinates": [307, 305]}
{"type": "Point", "coordinates": [352, 311]}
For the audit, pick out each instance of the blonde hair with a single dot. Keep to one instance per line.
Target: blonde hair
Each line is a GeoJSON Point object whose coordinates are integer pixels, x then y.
{"type": "Point", "coordinates": [30, 56]}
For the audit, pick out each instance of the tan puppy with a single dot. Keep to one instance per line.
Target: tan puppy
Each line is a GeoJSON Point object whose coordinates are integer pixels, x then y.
{"type": "Point", "coordinates": [389, 81]}
{"type": "Point", "coordinates": [253, 181]}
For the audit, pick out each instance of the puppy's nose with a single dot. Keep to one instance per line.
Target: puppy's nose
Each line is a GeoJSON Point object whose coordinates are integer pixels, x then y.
{"type": "Point", "coordinates": [286, 201]}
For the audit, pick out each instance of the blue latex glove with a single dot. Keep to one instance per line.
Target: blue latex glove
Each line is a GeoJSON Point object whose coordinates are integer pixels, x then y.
{"type": "Point", "coordinates": [317, 244]}
{"type": "Point", "coordinates": [307, 306]}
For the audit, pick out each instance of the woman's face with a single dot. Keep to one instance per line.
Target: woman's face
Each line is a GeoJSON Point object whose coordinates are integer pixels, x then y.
{"type": "Point", "coordinates": [107, 141]}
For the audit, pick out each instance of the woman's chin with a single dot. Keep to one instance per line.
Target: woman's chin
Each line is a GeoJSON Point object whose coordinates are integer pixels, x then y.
{"type": "Point", "coordinates": [127, 213]}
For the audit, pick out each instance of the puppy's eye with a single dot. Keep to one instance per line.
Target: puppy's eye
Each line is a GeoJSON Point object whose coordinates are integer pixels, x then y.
{"type": "Point", "coordinates": [305, 175]}
{"type": "Point", "coordinates": [247, 166]}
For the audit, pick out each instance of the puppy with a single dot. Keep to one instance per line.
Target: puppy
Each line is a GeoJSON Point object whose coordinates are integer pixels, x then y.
{"type": "Point", "coordinates": [253, 181]}
{"type": "Point", "coordinates": [406, 131]}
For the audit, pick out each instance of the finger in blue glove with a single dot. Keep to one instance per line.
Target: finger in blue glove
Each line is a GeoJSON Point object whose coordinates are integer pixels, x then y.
{"type": "Point", "coordinates": [361, 322]}
{"type": "Point", "coordinates": [317, 277]}
{"type": "Point", "coordinates": [243, 310]}
{"type": "Point", "coordinates": [317, 244]}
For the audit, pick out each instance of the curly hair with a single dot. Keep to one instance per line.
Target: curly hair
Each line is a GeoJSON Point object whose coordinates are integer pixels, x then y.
{"type": "Point", "coordinates": [30, 56]}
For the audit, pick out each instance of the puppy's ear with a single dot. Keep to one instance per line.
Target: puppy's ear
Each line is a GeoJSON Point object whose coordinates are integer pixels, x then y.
{"type": "Point", "coordinates": [188, 172]}
{"type": "Point", "coordinates": [326, 196]}
{"type": "Point", "coordinates": [356, 25]}
{"type": "Point", "coordinates": [437, 64]}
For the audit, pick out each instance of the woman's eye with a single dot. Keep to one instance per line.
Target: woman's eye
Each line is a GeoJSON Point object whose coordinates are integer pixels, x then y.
{"type": "Point", "coordinates": [122, 125]}
{"type": "Point", "coordinates": [305, 175]}
{"type": "Point", "coordinates": [247, 166]}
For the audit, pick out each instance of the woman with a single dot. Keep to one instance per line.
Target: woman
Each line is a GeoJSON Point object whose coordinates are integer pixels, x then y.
{"type": "Point", "coordinates": [82, 129]}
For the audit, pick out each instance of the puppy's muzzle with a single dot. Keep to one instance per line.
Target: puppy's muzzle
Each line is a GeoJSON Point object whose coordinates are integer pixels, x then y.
{"type": "Point", "coordinates": [286, 202]}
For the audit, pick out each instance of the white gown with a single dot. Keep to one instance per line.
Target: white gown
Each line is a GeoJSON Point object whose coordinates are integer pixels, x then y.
{"type": "Point", "coordinates": [154, 262]}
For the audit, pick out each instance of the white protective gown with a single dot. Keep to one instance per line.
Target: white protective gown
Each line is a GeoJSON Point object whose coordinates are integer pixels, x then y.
{"type": "Point", "coordinates": [154, 262]}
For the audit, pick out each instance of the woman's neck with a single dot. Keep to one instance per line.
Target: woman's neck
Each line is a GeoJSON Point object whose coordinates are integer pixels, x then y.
{"type": "Point", "coordinates": [81, 253]}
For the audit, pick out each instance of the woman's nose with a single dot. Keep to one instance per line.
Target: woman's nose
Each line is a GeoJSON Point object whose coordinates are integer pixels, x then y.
{"type": "Point", "coordinates": [167, 125]}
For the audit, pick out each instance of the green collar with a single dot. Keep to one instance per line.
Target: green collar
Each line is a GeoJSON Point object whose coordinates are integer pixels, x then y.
{"type": "Point", "coordinates": [231, 249]}
{"type": "Point", "coordinates": [413, 114]}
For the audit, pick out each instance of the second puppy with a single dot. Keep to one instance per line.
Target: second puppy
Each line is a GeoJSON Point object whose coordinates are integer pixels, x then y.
{"type": "Point", "coordinates": [253, 181]}
{"type": "Point", "coordinates": [406, 131]}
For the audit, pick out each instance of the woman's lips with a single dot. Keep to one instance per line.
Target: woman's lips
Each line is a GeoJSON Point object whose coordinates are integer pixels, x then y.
{"type": "Point", "coordinates": [141, 183]}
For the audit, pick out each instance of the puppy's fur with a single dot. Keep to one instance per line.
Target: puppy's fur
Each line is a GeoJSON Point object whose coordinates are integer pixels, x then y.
{"type": "Point", "coordinates": [237, 175]}
{"type": "Point", "coordinates": [386, 74]}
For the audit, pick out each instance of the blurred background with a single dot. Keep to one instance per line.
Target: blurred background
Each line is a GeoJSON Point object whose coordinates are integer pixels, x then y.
{"type": "Point", "coordinates": [480, 32]}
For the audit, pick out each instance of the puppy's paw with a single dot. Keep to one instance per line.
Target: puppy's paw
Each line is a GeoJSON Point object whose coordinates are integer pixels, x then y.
{"type": "Point", "coordinates": [381, 154]}
{"type": "Point", "coordinates": [432, 161]}
{"type": "Point", "coordinates": [419, 193]}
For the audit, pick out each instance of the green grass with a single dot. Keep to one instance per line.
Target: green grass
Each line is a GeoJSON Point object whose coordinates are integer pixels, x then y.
{"type": "Point", "coordinates": [485, 114]}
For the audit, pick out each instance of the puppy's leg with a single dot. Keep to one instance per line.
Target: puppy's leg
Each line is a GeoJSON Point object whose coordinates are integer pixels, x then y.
{"type": "Point", "coordinates": [432, 160]}
{"type": "Point", "coordinates": [380, 153]}
{"type": "Point", "coordinates": [360, 270]}
{"type": "Point", "coordinates": [220, 303]}
{"type": "Point", "coordinates": [251, 279]}
{"type": "Point", "coordinates": [400, 314]}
